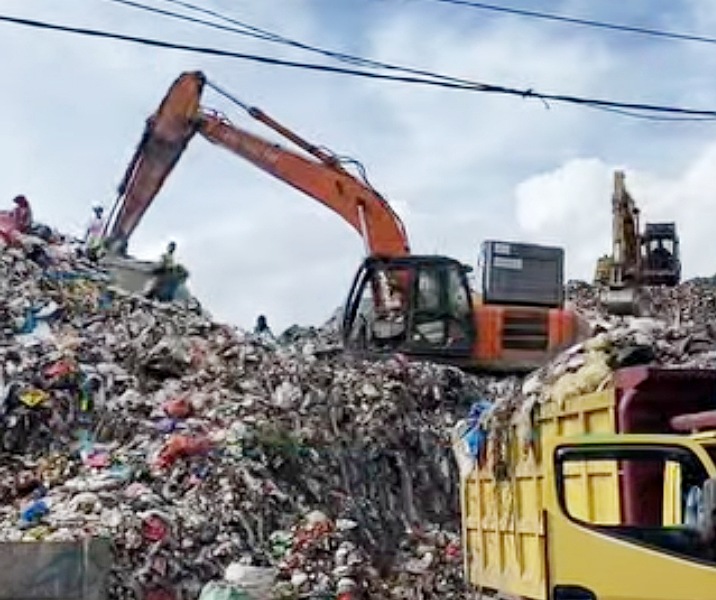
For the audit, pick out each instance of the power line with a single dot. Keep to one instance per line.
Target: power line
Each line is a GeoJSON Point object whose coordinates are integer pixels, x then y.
{"type": "Point", "coordinates": [248, 30]}
{"type": "Point", "coordinates": [559, 18]}
{"type": "Point", "coordinates": [474, 87]}
{"type": "Point", "coordinates": [646, 117]}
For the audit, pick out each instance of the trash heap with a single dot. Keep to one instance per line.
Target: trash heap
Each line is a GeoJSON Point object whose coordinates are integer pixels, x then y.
{"type": "Point", "coordinates": [692, 302]}
{"type": "Point", "coordinates": [226, 466]}
{"type": "Point", "coordinates": [206, 455]}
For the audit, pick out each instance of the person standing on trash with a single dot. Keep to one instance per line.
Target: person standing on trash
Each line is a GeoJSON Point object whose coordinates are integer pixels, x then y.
{"type": "Point", "coordinates": [167, 276]}
{"type": "Point", "coordinates": [22, 214]}
{"type": "Point", "coordinates": [93, 236]}
{"type": "Point", "coordinates": [167, 260]}
{"type": "Point", "coordinates": [262, 328]}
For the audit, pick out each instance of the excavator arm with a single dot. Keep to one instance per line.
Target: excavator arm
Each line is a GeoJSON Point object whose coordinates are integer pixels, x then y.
{"type": "Point", "coordinates": [319, 175]}
{"type": "Point", "coordinates": [624, 295]}
{"type": "Point", "coordinates": [625, 234]}
{"type": "Point", "coordinates": [164, 140]}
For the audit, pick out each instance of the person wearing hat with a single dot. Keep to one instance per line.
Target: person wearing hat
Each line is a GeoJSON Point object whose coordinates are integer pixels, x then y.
{"type": "Point", "coordinates": [93, 235]}
{"type": "Point", "coordinates": [167, 276]}
{"type": "Point", "coordinates": [167, 260]}
{"type": "Point", "coordinates": [22, 214]}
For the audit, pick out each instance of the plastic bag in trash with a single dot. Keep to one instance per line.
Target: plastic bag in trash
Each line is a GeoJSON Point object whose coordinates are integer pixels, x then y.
{"type": "Point", "coordinates": [216, 590]}
{"type": "Point", "coordinates": [469, 438]}
{"type": "Point", "coordinates": [254, 581]}
{"type": "Point", "coordinates": [586, 379]}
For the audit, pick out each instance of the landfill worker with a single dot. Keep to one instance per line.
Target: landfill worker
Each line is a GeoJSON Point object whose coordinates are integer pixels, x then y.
{"type": "Point", "coordinates": [165, 284]}
{"type": "Point", "coordinates": [93, 235]}
{"type": "Point", "coordinates": [262, 328]}
{"type": "Point", "coordinates": [167, 260]}
{"type": "Point", "coordinates": [22, 214]}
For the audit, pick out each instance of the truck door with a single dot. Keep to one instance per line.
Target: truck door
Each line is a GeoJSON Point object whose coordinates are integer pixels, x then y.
{"type": "Point", "coordinates": [608, 535]}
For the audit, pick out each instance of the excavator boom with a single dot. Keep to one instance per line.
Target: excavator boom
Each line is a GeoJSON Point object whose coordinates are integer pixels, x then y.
{"type": "Point", "coordinates": [370, 215]}
{"type": "Point", "coordinates": [624, 293]}
{"type": "Point", "coordinates": [180, 117]}
{"type": "Point", "coordinates": [164, 140]}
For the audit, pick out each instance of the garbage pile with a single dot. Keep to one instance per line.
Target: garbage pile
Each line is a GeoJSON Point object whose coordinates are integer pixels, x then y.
{"type": "Point", "coordinates": [692, 302]}
{"type": "Point", "coordinates": [225, 466]}
{"type": "Point", "coordinates": [680, 330]}
{"type": "Point", "coordinates": [208, 456]}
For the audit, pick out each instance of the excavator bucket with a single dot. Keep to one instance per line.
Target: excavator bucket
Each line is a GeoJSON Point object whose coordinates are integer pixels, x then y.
{"type": "Point", "coordinates": [628, 301]}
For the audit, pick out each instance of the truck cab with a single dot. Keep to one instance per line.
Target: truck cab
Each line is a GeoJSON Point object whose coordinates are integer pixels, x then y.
{"type": "Point", "coordinates": [612, 496]}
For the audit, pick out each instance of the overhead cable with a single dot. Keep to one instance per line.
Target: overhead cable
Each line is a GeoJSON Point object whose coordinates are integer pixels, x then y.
{"type": "Point", "coordinates": [560, 18]}
{"type": "Point", "coordinates": [248, 30]}
{"type": "Point", "coordinates": [473, 87]}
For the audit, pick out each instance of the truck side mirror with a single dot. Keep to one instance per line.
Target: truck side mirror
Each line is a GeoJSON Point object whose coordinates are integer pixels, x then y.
{"type": "Point", "coordinates": [708, 516]}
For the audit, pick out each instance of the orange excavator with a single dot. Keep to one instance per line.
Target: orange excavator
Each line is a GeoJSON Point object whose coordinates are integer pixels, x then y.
{"type": "Point", "coordinates": [416, 305]}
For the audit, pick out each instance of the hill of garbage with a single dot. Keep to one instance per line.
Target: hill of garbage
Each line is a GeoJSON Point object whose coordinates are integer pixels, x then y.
{"type": "Point", "coordinates": [206, 454]}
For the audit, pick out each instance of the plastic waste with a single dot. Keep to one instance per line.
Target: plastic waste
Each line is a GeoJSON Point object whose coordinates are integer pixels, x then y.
{"type": "Point", "coordinates": [182, 446]}
{"type": "Point", "coordinates": [254, 581]}
{"type": "Point", "coordinates": [33, 397]}
{"type": "Point", "coordinates": [32, 513]}
{"type": "Point", "coordinates": [178, 408]}
{"type": "Point", "coordinates": [216, 590]}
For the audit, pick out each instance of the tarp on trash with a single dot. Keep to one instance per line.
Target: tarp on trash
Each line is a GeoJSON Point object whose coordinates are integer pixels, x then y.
{"type": "Point", "coordinates": [55, 570]}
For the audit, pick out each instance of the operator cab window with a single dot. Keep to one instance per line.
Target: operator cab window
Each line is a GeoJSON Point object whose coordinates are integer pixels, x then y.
{"type": "Point", "coordinates": [442, 312]}
{"type": "Point", "coordinates": [659, 253]}
{"type": "Point", "coordinates": [378, 308]}
{"type": "Point", "coordinates": [428, 326]}
{"type": "Point", "coordinates": [389, 304]}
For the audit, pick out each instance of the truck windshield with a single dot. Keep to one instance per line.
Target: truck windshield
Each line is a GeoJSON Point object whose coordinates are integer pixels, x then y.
{"type": "Point", "coordinates": [650, 495]}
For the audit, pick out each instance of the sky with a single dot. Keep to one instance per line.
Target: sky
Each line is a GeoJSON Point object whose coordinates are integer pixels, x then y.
{"type": "Point", "coordinates": [458, 167]}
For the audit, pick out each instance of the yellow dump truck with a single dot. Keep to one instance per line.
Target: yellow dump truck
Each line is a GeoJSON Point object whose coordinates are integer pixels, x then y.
{"type": "Point", "coordinates": [605, 499]}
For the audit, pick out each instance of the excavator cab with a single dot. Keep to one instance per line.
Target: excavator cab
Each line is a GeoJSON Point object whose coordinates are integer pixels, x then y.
{"type": "Point", "coordinates": [417, 305]}
{"type": "Point", "coordinates": [602, 270]}
{"type": "Point", "coordinates": [423, 307]}
{"type": "Point", "coordinates": [661, 264]}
